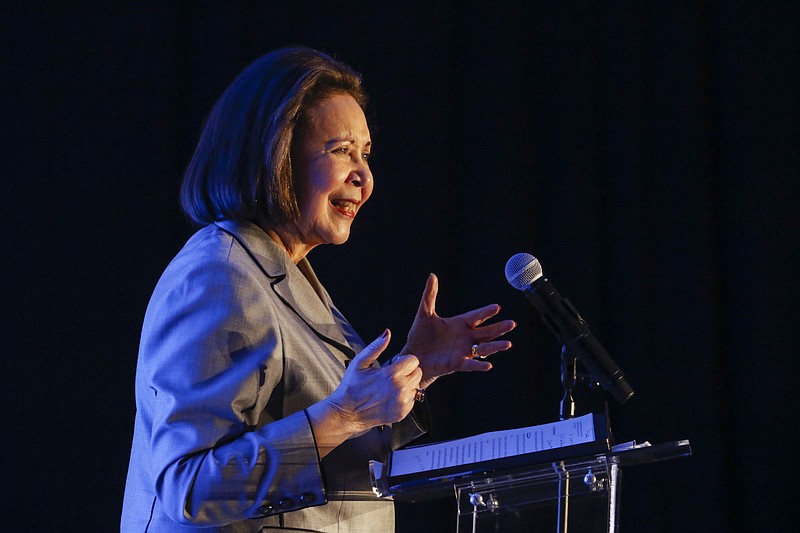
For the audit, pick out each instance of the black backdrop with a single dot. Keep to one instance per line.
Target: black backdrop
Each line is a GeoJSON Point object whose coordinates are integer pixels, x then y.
{"type": "Point", "coordinates": [646, 152]}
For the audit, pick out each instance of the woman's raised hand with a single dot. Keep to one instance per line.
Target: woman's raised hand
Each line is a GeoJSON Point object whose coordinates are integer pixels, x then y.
{"type": "Point", "coordinates": [454, 344]}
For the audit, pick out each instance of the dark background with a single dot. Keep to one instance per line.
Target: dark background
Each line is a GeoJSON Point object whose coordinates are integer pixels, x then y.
{"type": "Point", "coordinates": [646, 152]}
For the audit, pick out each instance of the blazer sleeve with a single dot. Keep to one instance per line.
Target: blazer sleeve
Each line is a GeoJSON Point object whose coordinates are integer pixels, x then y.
{"type": "Point", "coordinates": [416, 424]}
{"type": "Point", "coordinates": [210, 360]}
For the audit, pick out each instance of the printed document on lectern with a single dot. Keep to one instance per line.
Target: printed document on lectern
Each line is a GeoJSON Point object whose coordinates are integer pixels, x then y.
{"type": "Point", "coordinates": [493, 446]}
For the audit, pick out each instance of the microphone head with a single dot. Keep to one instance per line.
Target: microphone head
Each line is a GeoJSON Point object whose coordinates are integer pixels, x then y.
{"type": "Point", "coordinates": [522, 270]}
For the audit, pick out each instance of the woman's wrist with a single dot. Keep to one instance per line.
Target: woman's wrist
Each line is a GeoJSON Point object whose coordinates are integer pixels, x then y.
{"type": "Point", "coordinates": [331, 425]}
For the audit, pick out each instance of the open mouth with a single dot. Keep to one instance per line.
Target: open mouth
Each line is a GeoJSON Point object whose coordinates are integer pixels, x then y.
{"type": "Point", "coordinates": [345, 207]}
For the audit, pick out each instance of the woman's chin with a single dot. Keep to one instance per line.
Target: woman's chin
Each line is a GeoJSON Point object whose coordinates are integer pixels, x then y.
{"type": "Point", "coordinates": [340, 240]}
{"type": "Point", "coordinates": [339, 237]}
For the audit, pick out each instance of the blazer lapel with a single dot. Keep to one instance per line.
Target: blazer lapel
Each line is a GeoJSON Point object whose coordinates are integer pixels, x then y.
{"type": "Point", "coordinates": [292, 286]}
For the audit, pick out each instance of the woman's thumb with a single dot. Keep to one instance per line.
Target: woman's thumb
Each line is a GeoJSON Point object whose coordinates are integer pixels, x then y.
{"type": "Point", "coordinates": [372, 351]}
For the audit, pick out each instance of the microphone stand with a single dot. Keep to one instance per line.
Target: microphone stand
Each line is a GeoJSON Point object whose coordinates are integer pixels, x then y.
{"type": "Point", "coordinates": [569, 378]}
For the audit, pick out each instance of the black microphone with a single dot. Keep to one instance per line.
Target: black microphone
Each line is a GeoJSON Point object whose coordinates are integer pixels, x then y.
{"type": "Point", "coordinates": [524, 273]}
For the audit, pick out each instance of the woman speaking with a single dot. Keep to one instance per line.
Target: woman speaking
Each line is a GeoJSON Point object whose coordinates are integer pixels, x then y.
{"type": "Point", "coordinates": [258, 405]}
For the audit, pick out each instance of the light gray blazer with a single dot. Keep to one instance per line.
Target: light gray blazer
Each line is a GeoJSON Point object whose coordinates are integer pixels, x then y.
{"type": "Point", "coordinates": [237, 341]}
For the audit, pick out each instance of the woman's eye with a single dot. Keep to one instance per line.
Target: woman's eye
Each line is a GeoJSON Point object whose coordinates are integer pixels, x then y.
{"type": "Point", "coordinates": [365, 156]}
{"type": "Point", "coordinates": [342, 150]}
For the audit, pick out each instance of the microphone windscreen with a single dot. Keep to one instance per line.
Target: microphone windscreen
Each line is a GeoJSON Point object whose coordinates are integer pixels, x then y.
{"type": "Point", "coordinates": [522, 270]}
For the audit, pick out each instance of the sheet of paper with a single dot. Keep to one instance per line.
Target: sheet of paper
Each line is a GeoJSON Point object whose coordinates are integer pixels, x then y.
{"type": "Point", "coordinates": [493, 445]}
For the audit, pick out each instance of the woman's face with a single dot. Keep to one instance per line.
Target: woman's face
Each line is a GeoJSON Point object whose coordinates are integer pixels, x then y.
{"type": "Point", "coordinates": [332, 177]}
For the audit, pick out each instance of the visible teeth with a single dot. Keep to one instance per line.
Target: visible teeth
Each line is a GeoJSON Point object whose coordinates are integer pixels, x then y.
{"type": "Point", "coordinates": [344, 204]}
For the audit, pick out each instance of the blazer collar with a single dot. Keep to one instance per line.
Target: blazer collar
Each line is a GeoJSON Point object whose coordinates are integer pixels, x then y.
{"type": "Point", "coordinates": [303, 293]}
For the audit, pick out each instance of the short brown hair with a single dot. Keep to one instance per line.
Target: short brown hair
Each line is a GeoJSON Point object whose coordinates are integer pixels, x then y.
{"type": "Point", "coordinates": [241, 169]}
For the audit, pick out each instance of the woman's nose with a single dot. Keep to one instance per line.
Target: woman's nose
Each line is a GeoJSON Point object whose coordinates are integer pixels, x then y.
{"type": "Point", "coordinates": [361, 176]}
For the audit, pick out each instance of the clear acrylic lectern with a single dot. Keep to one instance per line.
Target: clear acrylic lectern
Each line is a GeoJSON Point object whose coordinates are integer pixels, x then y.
{"type": "Point", "coordinates": [578, 494]}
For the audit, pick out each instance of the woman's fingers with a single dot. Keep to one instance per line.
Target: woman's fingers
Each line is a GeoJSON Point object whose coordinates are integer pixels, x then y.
{"type": "Point", "coordinates": [476, 317]}
{"type": "Point", "coordinates": [492, 331]}
{"type": "Point", "coordinates": [404, 365]}
{"type": "Point", "coordinates": [485, 349]}
{"type": "Point", "coordinates": [475, 365]}
{"type": "Point", "coordinates": [372, 351]}
{"type": "Point", "coordinates": [427, 305]}
{"type": "Point", "coordinates": [379, 395]}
